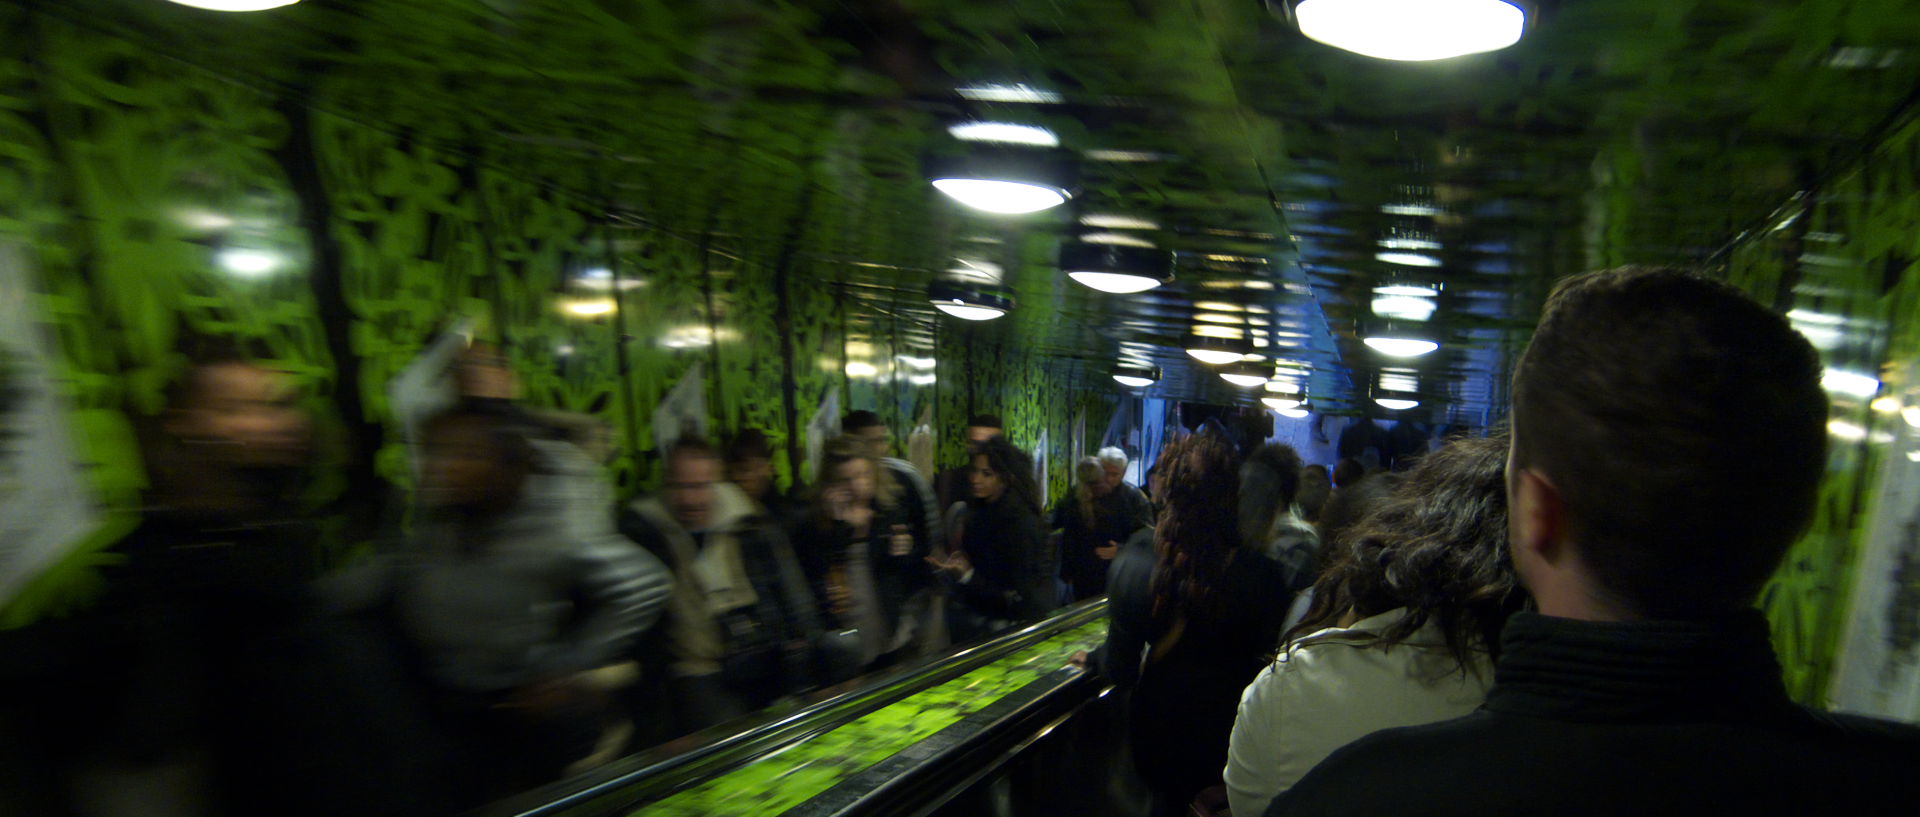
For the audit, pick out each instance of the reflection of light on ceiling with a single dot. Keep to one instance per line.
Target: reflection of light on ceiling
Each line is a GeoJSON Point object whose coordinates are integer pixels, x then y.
{"type": "Point", "coordinates": [1407, 259]}
{"type": "Point", "coordinates": [1856, 432]}
{"type": "Point", "coordinates": [1852, 384]}
{"type": "Point", "coordinates": [1235, 259]}
{"type": "Point", "coordinates": [861, 368]}
{"type": "Point", "coordinates": [1911, 414]}
{"type": "Point", "coordinates": [1398, 380]}
{"type": "Point", "coordinates": [1118, 239]}
{"type": "Point", "coordinates": [922, 363]}
{"type": "Point", "coordinates": [588, 307]}
{"type": "Point", "coordinates": [977, 268]}
{"type": "Point", "coordinates": [1258, 285]}
{"type": "Point", "coordinates": [204, 219]}
{"type": "Point", "coordinates": [1405, 307]}
{"type": "Point", "coordinates": [236, 5]}
{"type": "Point", "coordinates": [1218, 306]}
{"type": "Point", "coordinates": [1215, 317]}
{"type": "Point", "coordinates": [1401, 243]}
{"type": "Point", "coordinates": [1407, 290]}
{"type": "Point", "coordinates": [1401, 347]}
{"type": "Point", "coordinates": [968, 312]}
{"type": "Point", "coordinates": [1004, 132]}
{"type": "Point", "coordinates": [1816, 318]}
{"type": "Point", "coordinates": [695, 336]}
{"type": "Point", "coordinates": [1885, 405]}
{"type": "Point", "coordinates": [923, 379]}
{"type": "Point", "coordinates": [248, 263]}
{"type": "Point", "coordinates": [1001, 196]}
{"type": "Point", "coordinates": [1109, 221]}
{"type": "Point", "coordinates": [1016, 92]}
{"type": "Point", "coordinates": [1123, 156]}
{"type": "Point", "coordinates": [1217, 332]}
{"type": "Point", "coordinates": [1395, 403]}
{"type": "Point", "coordinates": [602, 280]}
{"type": "Point", "coordinates": [1294, 413]}
{"type": "Point", "coordinates": [1410, 209]}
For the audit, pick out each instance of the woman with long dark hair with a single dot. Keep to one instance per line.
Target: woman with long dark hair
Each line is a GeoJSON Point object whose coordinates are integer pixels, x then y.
{"type": "Point", "coordinates": [1193, 616]}
{"type": "Point", "coordinates": [1401, 628]}
{"type": "Point", "coordinates": [1001, 572]}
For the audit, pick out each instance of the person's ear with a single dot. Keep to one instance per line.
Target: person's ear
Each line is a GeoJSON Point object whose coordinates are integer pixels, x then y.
{"type": "Point", "coordinates": [1539, 515]}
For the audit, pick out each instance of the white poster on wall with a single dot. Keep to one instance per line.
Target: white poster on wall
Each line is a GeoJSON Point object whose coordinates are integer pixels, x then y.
{"type": "Point", "coordinates": [683, 412]}
{"type": "Point", "coordinates": [1879, 660]}
{"type": "Point", "coordinates": [46, 508]}
{"type": "Point", "coordinates": [824, 426]}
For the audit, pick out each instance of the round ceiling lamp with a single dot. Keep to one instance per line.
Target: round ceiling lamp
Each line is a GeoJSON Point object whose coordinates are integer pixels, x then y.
{"type": "Point", "coordinates": [1217, 351]}
{"type": "Point", "coordinates": [1246, 374]}
{"type": "Point", "coordinates": [1116, 268]}
{"type": "Point", "coordinates": [1136, 377]}
{"type": "Point", "coordinates": [1412, 30]}
{"type": "Point", "coordinates": [968, 303]}
{"type": "Point", "coordinates": [1283, 395]}
{"type": "Point", "coordinates": [1294, 413]}
{"type": "Point", "coordinates": [1006, 133]}
{"type": "Point", "coordinates": [1004, 179]}
{"type": "Point", "coordinates": [1396, 389]}
{"type": "Point", "coordinates": [1400, 339]}
{"type": "Point", "coordinates": [236, 5]}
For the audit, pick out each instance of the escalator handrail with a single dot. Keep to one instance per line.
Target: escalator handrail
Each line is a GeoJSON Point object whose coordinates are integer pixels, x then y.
{"type": "Point", "coordinates": [651, 775]}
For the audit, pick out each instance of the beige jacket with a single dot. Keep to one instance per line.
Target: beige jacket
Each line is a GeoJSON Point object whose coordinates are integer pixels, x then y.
{"type": "Point", "coordinates": [1331, 688]}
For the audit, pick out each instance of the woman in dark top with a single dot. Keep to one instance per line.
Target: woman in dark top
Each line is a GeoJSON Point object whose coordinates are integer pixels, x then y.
{"type": "Point", "coordinates": [1192, 621]}
{"type": "Point", "coordinates": [1001, 572]}
{"type": "Point", "coordinates": [859, 554]}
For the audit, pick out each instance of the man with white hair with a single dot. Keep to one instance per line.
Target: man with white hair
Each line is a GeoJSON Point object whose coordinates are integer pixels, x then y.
{"type": "Point", "coordinates": [1114, 459]}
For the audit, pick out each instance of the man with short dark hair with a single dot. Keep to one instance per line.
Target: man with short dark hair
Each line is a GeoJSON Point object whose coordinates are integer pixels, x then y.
{"type": "Point", "coordinates": [1645, 515]}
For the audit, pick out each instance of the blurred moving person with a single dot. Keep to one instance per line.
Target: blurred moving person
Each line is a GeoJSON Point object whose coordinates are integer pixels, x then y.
{"type": "Point", "coordinates": [864, 566]}
{"type": "Point", "coordinates": [1269, 525]}
{"type": "Point", "coordinates": [1001, 574]}
{"type": "Point", "coordinates": [1402, 630]}
{"type": "Point", "coordinates": [1094, 521]}
{"type": "Point", "coordinates": [1644, 518]}
{"type": "Point", "coordinates": [510, 605]}
{"type": "Point", "coordinates": [1316, 486]}
{"type": "Point", "coordinates": [742, 628]}
{"type": "Point", "coordinates": [750, 468]}
{"type": "Point", "coordinates": [1192, 619]}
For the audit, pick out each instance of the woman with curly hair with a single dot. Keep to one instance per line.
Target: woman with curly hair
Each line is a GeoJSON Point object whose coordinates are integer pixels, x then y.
{"type": "Point", "coordinates": [1001, 572]}
{"type": "Point", "coordinates": [1401, 629]}
{"type": "Point", "coordinates": [1193, 616]}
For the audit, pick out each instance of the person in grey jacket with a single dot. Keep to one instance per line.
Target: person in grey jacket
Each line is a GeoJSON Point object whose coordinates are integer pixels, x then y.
{"type": "Point", "coordinates": [511, 595]}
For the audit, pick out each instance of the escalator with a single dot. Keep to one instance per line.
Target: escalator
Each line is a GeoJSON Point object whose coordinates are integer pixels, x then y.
{"type": "Point", "coordinates": [1005, 727]}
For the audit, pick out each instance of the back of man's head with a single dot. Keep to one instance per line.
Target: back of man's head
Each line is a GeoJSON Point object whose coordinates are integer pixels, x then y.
{"type": "Point", "coordinates": [1684, 428]}
{"type": "Point", "coordinates": [860, 420]}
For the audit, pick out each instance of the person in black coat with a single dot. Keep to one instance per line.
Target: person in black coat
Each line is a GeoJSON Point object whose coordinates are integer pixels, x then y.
{"type": "Point", "coordinates": [1644, 520]}
{"type": "Point", "coordinates": [1001, 574]}
{"type": "Point", "coordinates": [1093, 522]}
{"type": "Point", "coordinates": [1193, 618]}
{"type": "Point", "coordinates": [858, 549]}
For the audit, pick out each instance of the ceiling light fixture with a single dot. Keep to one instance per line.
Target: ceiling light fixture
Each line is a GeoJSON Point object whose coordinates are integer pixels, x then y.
{"type": "Point", "coordinates": [1407, 259]}
{"type": "Point", "coordinates": [968, 303]}
{"type": "Point", "coordinates": [1217, 351]}
{"type": "Point", "coordinates": [1294, 413]}
{"type": "Point", "coordinates": [1283, 395]}
{"type": "Point", "coordinates": [1015, 92]}
{"type": "Point", "coordinates": [1005, 180]}
{"type": "Point", "coordinates": [1006, 133]}
{"type": "Point", "coordinates": [1246, 374]}
{"type": "Point", "coordinates": [1136, 377]}
{"type": "Point", "coordinates": [1404, 307]}
{"type": "Point", "coordinates": [1411, 30]}
{"type": "Point", "coordinates": [1116, 268]}
{"type": "Point", "coordinates": [1117, 239]}
{"type": "Point", "coordinates": [1406, 243]}
{"type": "Point", "coordinates": [1109, 221]}
{"type": "Point", "coordinates": [1396, 389]}
{"type": "Point", "coordinates": [1400, 339]}
{"type": "Point", "coordinates": [236, 5]}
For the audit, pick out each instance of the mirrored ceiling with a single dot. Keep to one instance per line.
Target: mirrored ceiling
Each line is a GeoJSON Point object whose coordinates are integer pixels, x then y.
{"type": "Point", "coordinates": [1308, 196]}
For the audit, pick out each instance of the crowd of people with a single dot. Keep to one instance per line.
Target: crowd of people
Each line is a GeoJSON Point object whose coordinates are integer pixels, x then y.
{"type": "Point", "coordinates": [1555, 618]}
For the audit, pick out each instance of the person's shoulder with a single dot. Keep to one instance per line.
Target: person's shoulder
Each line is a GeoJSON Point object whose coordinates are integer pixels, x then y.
{"type": "Point", "coordinates": [1865, 734]}
{"type": "Point", "coordinates": [1401, 770]}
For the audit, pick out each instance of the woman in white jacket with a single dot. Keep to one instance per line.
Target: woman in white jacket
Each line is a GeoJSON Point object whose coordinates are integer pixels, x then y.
{"type": "Point", "coordinates": [1400, 631]}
